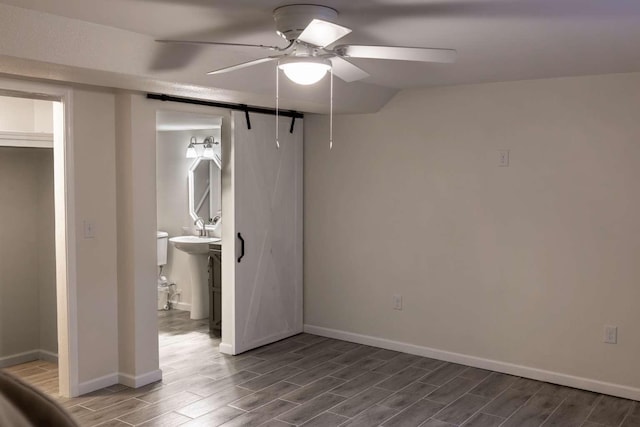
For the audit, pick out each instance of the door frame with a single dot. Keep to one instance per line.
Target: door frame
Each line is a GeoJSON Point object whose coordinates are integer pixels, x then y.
{"type": "Point", "coordinates": [64, 206]}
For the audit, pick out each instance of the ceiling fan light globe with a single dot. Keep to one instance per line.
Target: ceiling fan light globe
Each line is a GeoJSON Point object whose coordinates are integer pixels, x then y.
{"type": "Point", "coordinates": [305, 72]}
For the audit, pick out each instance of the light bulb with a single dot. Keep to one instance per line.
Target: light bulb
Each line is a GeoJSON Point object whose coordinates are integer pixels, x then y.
{"type": "Point", "coordinates": [208, 151]}
{"type": "Point", "coordinates": [305, 71]}
{"type": "Point", "coordinates": [191, 152]}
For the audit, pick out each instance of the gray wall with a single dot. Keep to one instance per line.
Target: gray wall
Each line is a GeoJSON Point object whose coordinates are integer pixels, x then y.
{"type": "Point", "coordinates": [27, 252]}
{"type": "Point", "coordinates": [522, 264]}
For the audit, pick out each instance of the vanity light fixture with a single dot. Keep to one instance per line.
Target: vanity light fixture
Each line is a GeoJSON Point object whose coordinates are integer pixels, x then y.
{"type": "Point", "coordinates": [208, 144]}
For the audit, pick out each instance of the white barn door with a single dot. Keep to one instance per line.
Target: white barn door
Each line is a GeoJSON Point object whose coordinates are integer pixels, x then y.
{"type": "Point", "coordinates": [268, 218]}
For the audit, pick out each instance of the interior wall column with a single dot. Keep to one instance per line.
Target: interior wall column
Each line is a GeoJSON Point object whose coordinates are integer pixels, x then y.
{"type": "Point", "coordinates": [136, 199]}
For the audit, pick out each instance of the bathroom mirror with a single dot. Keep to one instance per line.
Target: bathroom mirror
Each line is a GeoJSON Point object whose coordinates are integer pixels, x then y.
{"type": "Point", "coordinates": [204, 189]}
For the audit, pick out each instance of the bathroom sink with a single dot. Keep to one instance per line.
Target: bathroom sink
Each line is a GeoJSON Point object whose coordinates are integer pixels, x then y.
{"type": "Point", "coordinates": [194, 245]}
{"type": "Point", "coordinates": [198, 249]}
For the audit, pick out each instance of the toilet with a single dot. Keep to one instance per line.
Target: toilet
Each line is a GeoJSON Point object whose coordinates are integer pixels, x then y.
{"type": "Point", "coordinates": [163, 288]}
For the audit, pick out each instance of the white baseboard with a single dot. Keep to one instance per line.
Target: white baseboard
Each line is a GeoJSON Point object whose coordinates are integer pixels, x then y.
{"type": "Point", "coordinates": [119, 378]}
{"type": "Point", "coordinates": [28, 356]}
{"type": "Point", "coordinates": [225, 348]}
{"type": "Point", "coordinates": [18, 358]}
{"type": "Point", "coordinates": [97, 384]}
{"type": "Point", "coordinates": [140, 380]}
{"type": "Point", "coordinates": [478, 362]}
{"type": "Point", "coordinates": [48, 356]}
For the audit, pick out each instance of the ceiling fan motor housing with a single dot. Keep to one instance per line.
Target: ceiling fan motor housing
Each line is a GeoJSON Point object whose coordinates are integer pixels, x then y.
{"type": "Point", "coordinates": [291, 20]}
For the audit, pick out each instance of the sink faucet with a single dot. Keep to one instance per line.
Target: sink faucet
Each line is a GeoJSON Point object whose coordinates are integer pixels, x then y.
{"type": "Point", "coordinates": [203, 230]}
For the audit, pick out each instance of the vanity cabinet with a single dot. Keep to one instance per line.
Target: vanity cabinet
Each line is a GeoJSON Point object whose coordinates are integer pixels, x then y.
{"type": "Point", "coordinates": [215, 289]}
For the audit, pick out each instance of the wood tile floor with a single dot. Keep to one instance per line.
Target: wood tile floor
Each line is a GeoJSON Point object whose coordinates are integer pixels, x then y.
{"type": "Point", "coordinates": [313, 381]}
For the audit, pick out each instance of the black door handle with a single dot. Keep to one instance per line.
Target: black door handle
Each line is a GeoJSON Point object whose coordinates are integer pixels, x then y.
{"type": "Point", "coordinates": [241, 247]}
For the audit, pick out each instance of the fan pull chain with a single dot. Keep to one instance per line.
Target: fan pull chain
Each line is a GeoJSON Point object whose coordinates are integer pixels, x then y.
{"type": "Point", "coordinates": [277, 104]}
{"type": "Point", "coordinates": [331, 113]}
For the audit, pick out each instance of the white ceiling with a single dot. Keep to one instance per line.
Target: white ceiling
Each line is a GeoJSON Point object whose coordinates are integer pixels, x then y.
{"type": "Point", "coordinates": [497, 40]}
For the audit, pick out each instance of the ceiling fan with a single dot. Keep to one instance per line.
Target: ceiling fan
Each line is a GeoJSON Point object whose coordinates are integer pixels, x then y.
{"type": "Point", "coordinates": [311, 52]}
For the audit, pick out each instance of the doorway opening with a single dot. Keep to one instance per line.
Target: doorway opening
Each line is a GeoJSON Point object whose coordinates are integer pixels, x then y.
{"type": "Point", "coordinates": [37, 316]}
{"type": "Point", "coordinates": [189, 222]}
{"type": "Point", "coordinates": [261, 251]}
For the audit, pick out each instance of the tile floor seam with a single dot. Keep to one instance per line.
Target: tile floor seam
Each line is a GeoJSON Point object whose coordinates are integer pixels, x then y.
{"type": "Point", "coordinates": [493, 400]}
{"type": "Point", "coordinates": [516, 411]}
{"type": "Point", "coordinates": [335, 413]}
{"type": "Point", "coordinates": [472, 415]}
{"type": "Point", "coordinates": [126, 413]}
{"type": "Point", "coordinates": [473, 394]}
{"type": "Point", "coordinates": [397, 413]}
{"type": "Point", "coordinates": [596, 424]}
{"type": "Point", "coordinates": [446, 406]}
{"type": "Point", "coordinates": [155, 418]}
{"type": "Point", "coordinates": [325, 410]}
{"type": "Point", "coordinates": [389, 417]}
{"type": "Point", "coordinates": [118, 419]}
{"type": "Point", "coordinates": [440, 386]}
{"type": "Point", "coordinates": [595, 404]}
{"type": "Point", "coordinates": [434, 419]}
{"type": "Point", "coordinates": [554, 411]}
{"type": "Point", "coordinates": [104, 407]}
{"type": "Point", "coordinates": [244, 388]}
{"type": "Point", "coordinates": [623, 420]}
{"type": "Point", "coordinates": [295, 403]}
{"type": "Point", "coordinates": [627, 415]}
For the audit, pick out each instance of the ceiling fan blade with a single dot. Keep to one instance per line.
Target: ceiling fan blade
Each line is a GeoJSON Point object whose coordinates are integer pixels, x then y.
{"type": "Point", "coordinates": [421, 54]}
{"type": "Point", "coordinates": [323, 33]}
{"type": "Point", "coordinates": [346, 70]}
{"type": "Point", "coordinates": [219, 44]}
{"type": "Point", "coordinates": [243, 65]}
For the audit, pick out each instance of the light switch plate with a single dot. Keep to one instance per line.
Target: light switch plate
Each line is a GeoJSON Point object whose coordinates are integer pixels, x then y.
{"type": "Point", "coordinates": [89, 231]}
{"type": "Point", "coordinates": [397, 302]}
{"type": "Point", "coordinates": [503, 158]}
{"type": "Point", "coordinates": [611, 334]}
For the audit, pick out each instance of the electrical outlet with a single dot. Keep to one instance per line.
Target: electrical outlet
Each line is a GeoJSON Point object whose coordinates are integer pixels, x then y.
{"type": "Point", "coordinates": [397, 302]}
{"type": "Point", "coordinates": [611, 334]}
{"type": "Point", "coordinates": [503, 158]}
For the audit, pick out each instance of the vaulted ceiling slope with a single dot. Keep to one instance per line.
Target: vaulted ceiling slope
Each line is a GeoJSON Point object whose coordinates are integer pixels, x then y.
{"type": "Point", "coordinates": [111, 43]}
